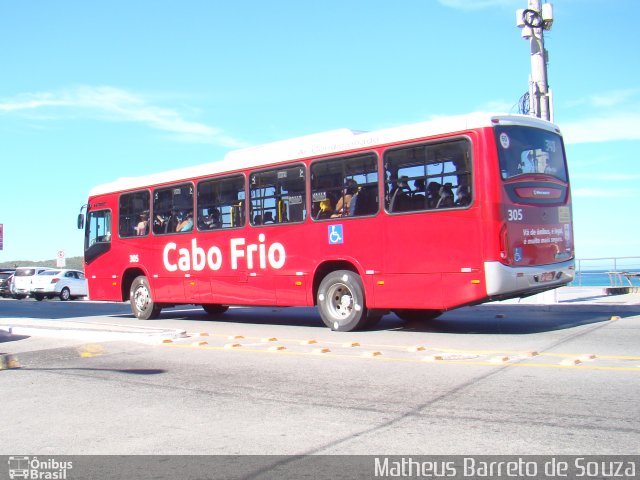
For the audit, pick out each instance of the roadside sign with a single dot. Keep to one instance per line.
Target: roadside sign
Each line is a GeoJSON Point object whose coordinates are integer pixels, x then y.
{"type": "Point", "coordinates": [60, 260]}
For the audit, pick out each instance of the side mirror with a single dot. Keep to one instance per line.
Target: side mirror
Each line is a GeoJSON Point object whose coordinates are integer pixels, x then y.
{"type": "Point", "coordinates": [80, 221]}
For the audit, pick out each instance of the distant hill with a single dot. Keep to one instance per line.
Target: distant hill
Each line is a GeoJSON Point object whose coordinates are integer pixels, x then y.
{"type": "Point", "coordinates": [76, 263]}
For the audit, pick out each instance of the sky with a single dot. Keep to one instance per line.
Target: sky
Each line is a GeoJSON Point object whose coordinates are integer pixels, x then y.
{"type": "Point", "coordinates": [94, 91]}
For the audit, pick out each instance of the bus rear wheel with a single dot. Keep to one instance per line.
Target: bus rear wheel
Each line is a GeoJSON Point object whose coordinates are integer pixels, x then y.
{"type": "Point", "coordinates": [142, 303]}
{"type": "Point", "coordinates": [341, 301]}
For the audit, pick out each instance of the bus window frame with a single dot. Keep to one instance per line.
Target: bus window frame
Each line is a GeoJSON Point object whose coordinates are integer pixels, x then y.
{"type": "Point", "coordinates": [98, 248]}
{"type": "Point", "coordinates": [149, 212]}
{"type": "Point", "coordinates": [344, 157]}
{"type": "Point", "coordinates": [223, 177]}
{"type": "Point", "coordinates": [153, 209]}
{"type": "Point", "coordinates": [501, 152]}
{"type": "Point", "coordinates": [427, 143]}
{"type": "Point", "coordinates": [274, 168]}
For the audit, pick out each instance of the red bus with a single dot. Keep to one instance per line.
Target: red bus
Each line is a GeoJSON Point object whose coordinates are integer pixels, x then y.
{"type": "Point", "coordinates": [413, 220]}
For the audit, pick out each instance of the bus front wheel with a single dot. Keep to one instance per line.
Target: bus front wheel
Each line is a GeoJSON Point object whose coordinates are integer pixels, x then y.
{"type": "Point", "coordinates": [142, 303]}
{"type": "Point", "coordinates": [341, 301]}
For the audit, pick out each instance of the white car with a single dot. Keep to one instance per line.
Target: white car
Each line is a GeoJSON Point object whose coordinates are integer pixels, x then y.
{"type": "Point", "coordinates": [66, 284]}
{"type": "Point", "coordinates": [22, 278]}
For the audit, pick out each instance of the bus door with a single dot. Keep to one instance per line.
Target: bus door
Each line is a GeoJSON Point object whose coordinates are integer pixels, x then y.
{"type": "Point", "coordinates": [277, 200]}
{"type": "Point", "coordinates": [102, 272]}
{"type": "Point", "coordinates": [182, 257]}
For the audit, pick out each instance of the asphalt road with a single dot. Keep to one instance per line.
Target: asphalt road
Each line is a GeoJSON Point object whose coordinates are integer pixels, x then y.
{"type": "Point", "coordinates": [499, 379]}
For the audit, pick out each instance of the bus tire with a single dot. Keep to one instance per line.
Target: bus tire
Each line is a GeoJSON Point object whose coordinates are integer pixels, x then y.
{"type": "Point", "coordinates": [341, 301]}
{"type": "Point", "coordinates": [215, 308]}
{"type": "Point", "coordinates": [142, 304]}
{"type": "Point", "coordinates": [417, 315]}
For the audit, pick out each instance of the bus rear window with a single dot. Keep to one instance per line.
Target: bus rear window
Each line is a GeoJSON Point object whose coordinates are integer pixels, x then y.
{"type": "Point", "coordinates": [526, 150]}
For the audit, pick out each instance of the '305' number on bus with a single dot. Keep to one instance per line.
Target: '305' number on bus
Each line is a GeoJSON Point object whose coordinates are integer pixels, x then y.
{"type": "Point", "coordinates": [514, 215]}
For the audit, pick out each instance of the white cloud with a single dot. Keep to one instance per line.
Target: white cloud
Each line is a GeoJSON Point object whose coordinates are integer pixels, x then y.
{"type": "Point", "coordinates": [602, 128]}
{"type": "Point", "coordinates": [120, 105]}
{"type": "Point", "coordinates": [613, 98]}
{"type": "Point", "coordinates": [607, 116]}
{"type": "Point", "coordinates": [608, 99]}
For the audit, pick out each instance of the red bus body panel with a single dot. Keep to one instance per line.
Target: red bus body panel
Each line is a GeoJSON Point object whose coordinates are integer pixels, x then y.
{"type": "Point", "coordinates": [419, 260]}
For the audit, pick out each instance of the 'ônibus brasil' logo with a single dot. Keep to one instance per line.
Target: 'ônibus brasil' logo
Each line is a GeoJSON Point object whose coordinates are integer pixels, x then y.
{"type": "Point", "coordinates": [252, 255]}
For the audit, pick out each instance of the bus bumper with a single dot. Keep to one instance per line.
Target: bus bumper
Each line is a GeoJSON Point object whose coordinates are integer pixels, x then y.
{"type": "Point", "coordinates": [503, 281]}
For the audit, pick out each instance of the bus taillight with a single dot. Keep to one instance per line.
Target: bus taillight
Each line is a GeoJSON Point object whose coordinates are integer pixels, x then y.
{"type": "Point", "coordinates": [504, 242]}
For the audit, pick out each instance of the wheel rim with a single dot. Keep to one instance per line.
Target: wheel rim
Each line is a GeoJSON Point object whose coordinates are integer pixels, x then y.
{"type": "Point", "coordinates": [341, 302]}
{"type": "Point", "coordinates": [141, 298]}
{"type": "Point", "coordinates": [65, 294]}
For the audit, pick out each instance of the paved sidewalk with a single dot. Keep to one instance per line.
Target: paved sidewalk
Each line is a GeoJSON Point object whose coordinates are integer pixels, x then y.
{"type": "Point", "coordinates": [578, 296]}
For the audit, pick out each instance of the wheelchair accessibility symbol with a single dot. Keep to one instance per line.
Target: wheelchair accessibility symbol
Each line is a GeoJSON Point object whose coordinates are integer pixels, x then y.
{"type": "Point", "coordinates": [517, 254]}
{"type": "Point", "coordinates": [335, 234]}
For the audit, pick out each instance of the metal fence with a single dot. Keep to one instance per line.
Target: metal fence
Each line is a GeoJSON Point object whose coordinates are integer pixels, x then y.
{"type": "Point", "coordinates": [605, 271]}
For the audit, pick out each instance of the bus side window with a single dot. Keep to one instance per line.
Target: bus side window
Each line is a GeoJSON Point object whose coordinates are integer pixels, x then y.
{"type": "Point", "coordinates": [220, 203]}
{"type": "Point", "coordinates": [344, 187]}
{"type": "Point", "coordinates": [97, 240]}
{"type": "Point", "coordinates": [278, 196]}
{"type": "Point", "coordinates": [173, 209]}
{"type": "Point", "coordinates": [133, 214]}
{"type": "Point", "coordinates": [440, 173]}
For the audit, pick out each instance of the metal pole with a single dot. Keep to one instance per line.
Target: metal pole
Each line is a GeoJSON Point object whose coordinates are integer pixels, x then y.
{"type": "Point", "coordinates": [539, 67]}
{"type": "Point", "coordinates": [534, 21]}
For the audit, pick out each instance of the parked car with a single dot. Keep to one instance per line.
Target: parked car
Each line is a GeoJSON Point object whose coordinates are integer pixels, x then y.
{"type": "Point", "coordinates": [6, 277]}
{"type": "Point", "coordinates": [64, 283]}
{"type": "Point", "coordinates": [22, 280]}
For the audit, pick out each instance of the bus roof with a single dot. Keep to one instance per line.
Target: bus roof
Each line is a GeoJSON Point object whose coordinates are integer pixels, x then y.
{"type": "Point", "coordinates": [325, 143]}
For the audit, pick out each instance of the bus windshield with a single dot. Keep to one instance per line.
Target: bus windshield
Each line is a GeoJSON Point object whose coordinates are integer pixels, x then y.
{"type": "Point", "coordinates": [526, 150]}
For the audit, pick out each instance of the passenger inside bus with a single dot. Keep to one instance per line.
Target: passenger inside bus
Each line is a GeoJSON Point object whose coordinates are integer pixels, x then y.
{"type": "Point", "coordinates": [401, 196]}
{"type": "Point", "coordinates": [463, 196]}
{"type": "Point", "coordinates": [186, 225]}
{"type": "Point", "coordinates": [433, 194]}
{"type": "Point", "coordinates": [325, 209]}
{"type": "Point", "coordinates": [446, 196]}
{"type": "Point", "coordinates": [346, 204]}
{"type": "Point", "coordinates": [419, 196]}
{"type": "Point", "coordinates": [160, 223]}
{"type": "Point", "coordinates": [268, 218]}
{"type": "Point", "coordinates": [143, 224]}
{"type": "Point", "coordinates": [210, 221]}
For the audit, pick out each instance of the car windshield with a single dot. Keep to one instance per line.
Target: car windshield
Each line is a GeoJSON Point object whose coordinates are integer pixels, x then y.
{"type": "Point", "coordinates": [526, 150]}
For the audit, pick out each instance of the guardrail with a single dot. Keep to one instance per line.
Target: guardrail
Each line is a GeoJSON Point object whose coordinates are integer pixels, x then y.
{"type": "Point", "coordinates": [603, 271]}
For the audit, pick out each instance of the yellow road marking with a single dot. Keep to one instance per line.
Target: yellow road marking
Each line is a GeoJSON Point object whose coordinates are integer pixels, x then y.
{"type": "Point", "coordinates": [442, 349]}
{"type": "Point", "coordinates": [414, 359]}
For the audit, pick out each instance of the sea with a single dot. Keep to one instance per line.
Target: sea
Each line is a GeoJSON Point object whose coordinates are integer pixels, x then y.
{"type": "Point", "coordinates": [600, 278]}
